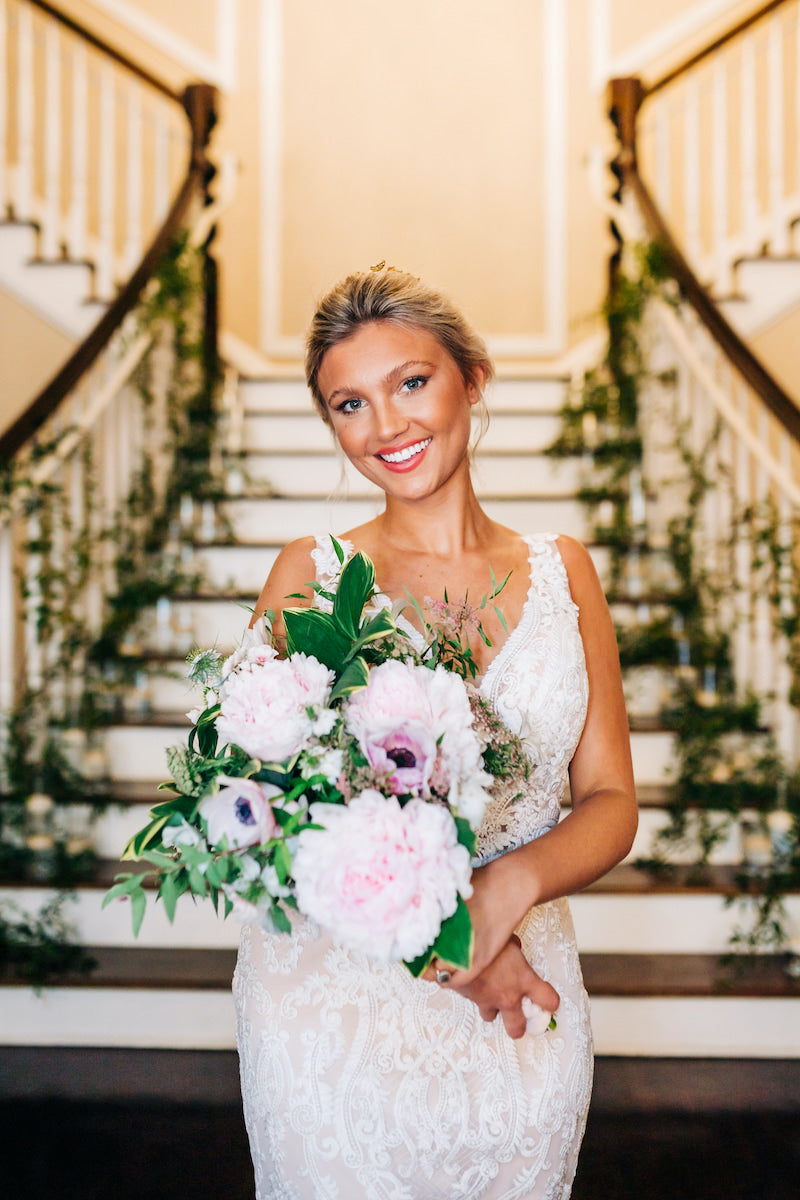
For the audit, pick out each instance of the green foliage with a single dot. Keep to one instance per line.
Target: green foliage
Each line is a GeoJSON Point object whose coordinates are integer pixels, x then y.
{"type": "Point", "coordinates": [133, 557]}
{"type": "Point", "coordinates": [39, 948]}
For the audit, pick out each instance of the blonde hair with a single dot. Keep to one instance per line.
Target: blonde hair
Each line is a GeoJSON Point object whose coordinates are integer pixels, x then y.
{"type": "Point", "coordinates": [386, 294]}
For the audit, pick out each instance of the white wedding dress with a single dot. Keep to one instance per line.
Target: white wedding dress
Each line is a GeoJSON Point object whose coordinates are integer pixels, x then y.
{"type": "Point", "coordinates": [362, 1083]}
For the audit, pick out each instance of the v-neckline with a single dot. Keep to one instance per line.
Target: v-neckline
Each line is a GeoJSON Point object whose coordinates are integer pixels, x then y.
{"type": "Point", "coordinates": [480, 679]}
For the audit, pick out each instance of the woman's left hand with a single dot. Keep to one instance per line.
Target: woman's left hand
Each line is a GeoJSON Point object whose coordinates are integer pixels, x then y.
{"type": "Point", "coordinates": [501, 988]}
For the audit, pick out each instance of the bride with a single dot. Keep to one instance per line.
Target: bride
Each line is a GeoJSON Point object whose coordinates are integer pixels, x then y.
{"type": "Point", "coordinates": [358, 1080]}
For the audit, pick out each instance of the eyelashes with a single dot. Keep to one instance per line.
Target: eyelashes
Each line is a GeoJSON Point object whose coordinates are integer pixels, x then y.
{"type": "Point", "coordinates": [353, 404]}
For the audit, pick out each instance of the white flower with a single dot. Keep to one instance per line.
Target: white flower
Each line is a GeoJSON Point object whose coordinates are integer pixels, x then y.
{"type": "Point", "coordinates": [182, 835]}
{"type": "Point", "coordinates": [322, 760]}
{"type": "Point", "coordinates": [270, 709]}
{"type": "Point", "coordinates": [240, 812]}
{"type": "Point", "coordinates": [381, 878]}
{"type": "Point", "coordinates": [255, 647]}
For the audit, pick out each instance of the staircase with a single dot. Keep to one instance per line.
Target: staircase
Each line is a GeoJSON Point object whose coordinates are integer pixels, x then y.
{"type": "Point", "coordinates": [650, 947]}
{"type": "Point", "coordinates": [650, 950]}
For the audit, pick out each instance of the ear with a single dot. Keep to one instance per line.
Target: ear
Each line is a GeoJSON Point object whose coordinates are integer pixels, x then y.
{"type": "Point", "coordinates": [476, 385]}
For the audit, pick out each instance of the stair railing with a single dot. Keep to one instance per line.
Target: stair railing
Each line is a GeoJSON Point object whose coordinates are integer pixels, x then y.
{"type": "Point", "coordinates": [88, 435]}
{"type": "Point", "coordinates": [713, 136]}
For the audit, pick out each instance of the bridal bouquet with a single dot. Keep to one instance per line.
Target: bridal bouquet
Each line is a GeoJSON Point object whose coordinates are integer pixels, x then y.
{"type": "Point", "coordinates": [345, 780]}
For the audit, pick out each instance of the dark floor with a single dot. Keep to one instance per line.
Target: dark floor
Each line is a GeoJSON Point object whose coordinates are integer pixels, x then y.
{"type": "Point", "coordinates": [79, 1150]}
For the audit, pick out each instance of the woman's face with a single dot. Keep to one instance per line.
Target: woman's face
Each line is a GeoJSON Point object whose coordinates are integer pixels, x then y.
{"type": "Point", "coordinates": [399, 407]}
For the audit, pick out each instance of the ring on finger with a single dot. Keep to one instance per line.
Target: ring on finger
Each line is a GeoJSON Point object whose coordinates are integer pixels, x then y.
{"type": "Point", "coordinates": [443, 976]}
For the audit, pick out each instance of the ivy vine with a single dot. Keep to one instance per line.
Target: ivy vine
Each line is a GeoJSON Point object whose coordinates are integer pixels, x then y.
{"type": "Point", "coordinates": [728, 769]}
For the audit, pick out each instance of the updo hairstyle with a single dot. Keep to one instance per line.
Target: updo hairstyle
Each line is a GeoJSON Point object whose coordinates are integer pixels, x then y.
{"type": "Point", "coordinates": [386, 294]}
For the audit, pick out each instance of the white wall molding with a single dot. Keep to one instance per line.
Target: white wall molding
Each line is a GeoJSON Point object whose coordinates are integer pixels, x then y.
{"type": "Point", "coordinates": [635, 60]}
{"type": "Point", "coordinates": [552, 341]}
{"type": "Point", "coordinates": [219, 68]}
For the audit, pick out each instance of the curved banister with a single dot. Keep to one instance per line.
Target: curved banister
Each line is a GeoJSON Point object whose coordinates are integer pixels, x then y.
{"type": "Point", "coordinates": [624, 99]}
{"type": "Point", "coordinates": [107, 50]}
{"type": "Point", "coordinates": [199, 101]}
{"type": "Point", "coordinates": [712, 47]}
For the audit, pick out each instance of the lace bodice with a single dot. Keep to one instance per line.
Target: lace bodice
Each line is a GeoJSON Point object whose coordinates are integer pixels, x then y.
{"type": "Point", "coordinates": [536, 683]}
{"type": "Point", "coordinates": [361, 1083]}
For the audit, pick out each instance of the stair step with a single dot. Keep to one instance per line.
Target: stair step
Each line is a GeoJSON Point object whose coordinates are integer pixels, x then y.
{"type": "Point", "coordinates": [58, 291]}
{"type": "Point", "coordinates": [628, 912]}
{"type": "Point", "coordinates": [500, 473]}
{"type": "Point", "coordinates": [542, 394]}
{"type": "Point", "coordinates": [136, 750]}
{"type": "Point", "coordinates": [180, 999]}
{"type": "Point", "coordinates": [513, 430]}
{"type": "Point", "coordinates": [227, 567]}
{"type": "Point", "coordinates": [280, 519]}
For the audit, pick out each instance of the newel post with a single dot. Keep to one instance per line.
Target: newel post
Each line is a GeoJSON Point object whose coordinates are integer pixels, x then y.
{"type": "Point", "coordinates": [624, 97]}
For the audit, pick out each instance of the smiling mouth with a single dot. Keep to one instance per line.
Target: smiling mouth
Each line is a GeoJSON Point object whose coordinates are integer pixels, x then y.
{"type": "Point", "coordinates": [401, 456]}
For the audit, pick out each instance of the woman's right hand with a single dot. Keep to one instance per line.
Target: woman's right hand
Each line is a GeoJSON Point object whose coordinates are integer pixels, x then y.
{"type": "Point", "coordinates": [502, 986]}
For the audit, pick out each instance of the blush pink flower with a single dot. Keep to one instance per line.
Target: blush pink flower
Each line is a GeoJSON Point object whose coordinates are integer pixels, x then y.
{"type": "Point", "coordinates": [240, 812]}
{"type": "Point", "coordinates": [272, 708]}
{"type": "Point", "coordinates": [381, 878]}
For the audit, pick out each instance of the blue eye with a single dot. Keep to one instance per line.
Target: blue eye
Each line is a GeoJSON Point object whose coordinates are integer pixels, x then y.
{"type": "Point", "coordinates": [351, 405]}
{"type": "Point", "coordinates": [414, 383]}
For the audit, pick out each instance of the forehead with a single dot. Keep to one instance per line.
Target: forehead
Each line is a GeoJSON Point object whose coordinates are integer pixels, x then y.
{"type": "Point", "coordinates": [376, 348]}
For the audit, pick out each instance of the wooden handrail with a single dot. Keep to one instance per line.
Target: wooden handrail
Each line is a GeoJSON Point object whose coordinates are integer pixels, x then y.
{"type": "Point", "coordinates": [109, 51]}
{"type": "Point", "coordinates": [199, 100]}
{"type": "Point", "coordinates": [624, 98]}
{"type": "Point", "coordinates": [713, 46]}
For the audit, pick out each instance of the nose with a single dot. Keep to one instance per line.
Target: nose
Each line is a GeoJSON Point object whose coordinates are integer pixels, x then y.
{"type": "Point", "coordinates": [390, 421]}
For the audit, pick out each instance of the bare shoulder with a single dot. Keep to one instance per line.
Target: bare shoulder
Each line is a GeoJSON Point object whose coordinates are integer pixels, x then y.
{"type": "Point", "coordinates": [581, 573]}
{"type": "Point", "coordinates": [289, 578]}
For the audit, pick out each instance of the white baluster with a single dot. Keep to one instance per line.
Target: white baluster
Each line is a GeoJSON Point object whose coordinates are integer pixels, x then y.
{"type": "Point", "coordinates": [5, 197]}
{"type": "Point", "coordinates": [749, 149]}
{"type": "Point", "coordinates": [161, 163]}
{"type": "Point", "coordinates": [776, 132]}
{"type": "Point", "coordinates": [23, 192]}
{"type": "Point", "coordinates": [8, 610]}
{"type": "Point", "coordinates": [133, 240]}
{"type": "Point", "coordinates": [721, 253]}
{"type": "Point", "coordinates": [663, 150]}
{"type": "Point", "coordinates": [52, 143]}
{"type": "Point", "coordinates": [692, 168]}
{"type": "Point", "coordinates": [106, 167]}
{"type": "Point", "coordinates": [78, 217]}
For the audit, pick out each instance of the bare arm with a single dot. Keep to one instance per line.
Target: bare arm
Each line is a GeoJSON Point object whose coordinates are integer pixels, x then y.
{"type": "Point", "coordinates": [591, 839]}
{"type": "Point", "coordinates": [291, 573]}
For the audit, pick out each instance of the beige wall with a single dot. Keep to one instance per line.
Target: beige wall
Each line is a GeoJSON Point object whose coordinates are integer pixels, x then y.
{"type": "Point", "coordinates": [31, 351]}
{"type": "Point", "coordinates": [451, 137]}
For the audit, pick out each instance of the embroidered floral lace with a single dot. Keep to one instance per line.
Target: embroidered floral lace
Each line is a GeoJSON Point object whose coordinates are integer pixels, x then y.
{"type": "Point", "coordinates": [361, 1083]}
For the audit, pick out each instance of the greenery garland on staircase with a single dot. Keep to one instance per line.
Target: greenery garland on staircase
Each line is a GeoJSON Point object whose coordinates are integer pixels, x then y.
{"type": "Point", "coordinates": [89, 669]}
{"type": "Point", "coordinates": [728, 770]}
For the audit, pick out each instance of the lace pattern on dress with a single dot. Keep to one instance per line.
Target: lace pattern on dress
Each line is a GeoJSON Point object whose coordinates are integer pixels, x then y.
{"type": "Point", "coordinates": [361, 1083]}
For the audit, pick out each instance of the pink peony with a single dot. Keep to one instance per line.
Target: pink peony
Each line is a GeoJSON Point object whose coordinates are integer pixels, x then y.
{"type": "Point", "coordinates": [418, 723]}
{"type": "Point", "coordinates": [240, 812]}
{"type": "Point", "coordinates": [271, 709]}
{"type": "Point", "coordinates": [381, 878]}
{"type": "Point", "coordinates": [407, 753]}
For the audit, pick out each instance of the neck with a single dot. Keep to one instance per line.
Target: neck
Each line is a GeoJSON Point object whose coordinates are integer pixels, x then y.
{"type": "Point", "coordinates": [446, 524]}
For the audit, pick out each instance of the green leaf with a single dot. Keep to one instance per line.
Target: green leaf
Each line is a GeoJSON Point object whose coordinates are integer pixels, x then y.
{"type": "Point", "coordinates": [280, 919]}
{"type": "Point", "coordinates": [138, 905]}
{"type": "Point", "coordinates": [126, 885]}
{"type": "Point", "coordinates": [316, 633]}
{"type": "Point", "coordinates": [354, 677]}
{"type": "Point", "coordinates": [381, 625]}
{"type": "Point", "coordinates": [138, 843]}
{"type": "Point", "coordinates": [466, 834]}
{"type": "Point", "coordinates": [337, 549]}
{"type": "Point", "coordinates": [454, 941]}
{"type": "Point", "coordinates": [356, 587]}
{"type": "Point", "coordinates": [173, 885]}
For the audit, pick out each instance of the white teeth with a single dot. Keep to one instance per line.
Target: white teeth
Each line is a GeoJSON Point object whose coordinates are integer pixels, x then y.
{"type": "Point", "coordinates": [408, 452]}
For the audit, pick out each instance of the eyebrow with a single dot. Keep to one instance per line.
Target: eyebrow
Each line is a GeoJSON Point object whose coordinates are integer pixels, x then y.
{"type": "Point", "coordinates": [388, 378]}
